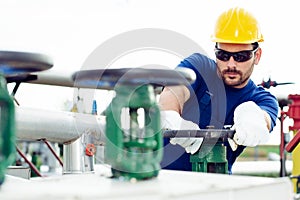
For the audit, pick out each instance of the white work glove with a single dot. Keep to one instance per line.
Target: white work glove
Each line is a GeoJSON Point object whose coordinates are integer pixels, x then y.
{"type": "Point", "coordinates": [250, 125]}
{"type": "Point", "coordinates": [172, 120]}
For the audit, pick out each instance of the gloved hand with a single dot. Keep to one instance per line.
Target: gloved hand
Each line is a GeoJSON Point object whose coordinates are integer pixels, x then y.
{"type": "Point", "coordinates": [250, 125]}
{"type": "Point", "coordinates": [172, 120]}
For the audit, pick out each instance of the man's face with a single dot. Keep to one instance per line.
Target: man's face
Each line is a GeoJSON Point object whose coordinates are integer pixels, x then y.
{"type": "Point", "coordinates": [236, 72]}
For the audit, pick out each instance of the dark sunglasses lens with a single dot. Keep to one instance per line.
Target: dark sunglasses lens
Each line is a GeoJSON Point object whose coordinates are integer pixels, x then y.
{"type": "Point", "coordinates": [222, 55]}
{"type": "Point", "coordinates": [242, 56]}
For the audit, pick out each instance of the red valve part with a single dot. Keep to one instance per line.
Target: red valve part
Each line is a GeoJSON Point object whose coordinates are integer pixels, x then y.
{"type": "Point", "coordinates": [90, 149]}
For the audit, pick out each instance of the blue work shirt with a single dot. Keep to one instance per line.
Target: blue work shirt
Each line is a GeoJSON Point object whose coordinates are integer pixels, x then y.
{"type": "Point", "coordinates": [212, 103]}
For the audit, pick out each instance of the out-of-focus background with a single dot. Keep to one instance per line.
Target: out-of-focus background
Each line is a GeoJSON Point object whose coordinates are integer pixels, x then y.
{"type": "Point", "coordinates": [69, 31]}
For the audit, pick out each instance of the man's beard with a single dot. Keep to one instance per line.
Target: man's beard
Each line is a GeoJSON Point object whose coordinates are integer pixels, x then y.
{"type": "Point", "coordinates": [239, 82]}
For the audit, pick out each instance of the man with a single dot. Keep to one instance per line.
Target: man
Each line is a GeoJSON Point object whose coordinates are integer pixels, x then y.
{"type": "Point", "coordinates": [223, 93]}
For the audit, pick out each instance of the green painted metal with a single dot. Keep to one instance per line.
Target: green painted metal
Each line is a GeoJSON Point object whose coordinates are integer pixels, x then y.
{"type": "Point", "coordinates": [134, 153]}
{"type": "Point", "coordinates": [7, 129]}
{"type": "Point", "coordinates": [210, 158]}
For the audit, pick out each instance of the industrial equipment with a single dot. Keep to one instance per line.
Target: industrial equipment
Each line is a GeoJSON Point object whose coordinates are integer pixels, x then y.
{"type": "Point", "coordinates": [7, 134]}
{"type": "Point", "coordinates": [211, 157]}
{"type": "Point", "coordinates": [294, 113]}
{"type": "Point", "coordinates": [134, 150]}
{"type": "Point", "coordinates": [14, 66]}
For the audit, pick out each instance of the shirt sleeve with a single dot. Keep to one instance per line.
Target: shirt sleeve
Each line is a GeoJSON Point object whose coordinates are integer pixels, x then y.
{"type": "Point", "coordinates": [269, 103]}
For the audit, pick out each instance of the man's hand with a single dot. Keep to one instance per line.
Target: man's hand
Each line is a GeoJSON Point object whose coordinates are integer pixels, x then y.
{"type": "Point", "coordinates": [250, 125]}
{"type": "Point", "coordinates": [172, 120]}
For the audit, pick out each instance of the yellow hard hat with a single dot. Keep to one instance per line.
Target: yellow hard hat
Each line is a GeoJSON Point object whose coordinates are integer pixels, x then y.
{"type": "Point", "coordinates": [237, 26]}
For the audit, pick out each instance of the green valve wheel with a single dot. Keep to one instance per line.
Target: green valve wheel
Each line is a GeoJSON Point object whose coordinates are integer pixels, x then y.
{"type": "Point", "coordinates": [133, 147]}
{"type": "Point", "coordinates": [7, 129]}
{"type": "Point", "coordinates": [135, 152]}
{"type": "Point", "coordinates": [14, 67]}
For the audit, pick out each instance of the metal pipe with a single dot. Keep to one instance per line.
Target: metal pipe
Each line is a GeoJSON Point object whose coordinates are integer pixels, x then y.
{"type": "Point", "coordinates": [56, 126]}
{"type": "Point", "coordinates": [53, 152]}
{"type": "Point", "coordinates": [205, 133]}
{"type": "Point", "coordinates": [294, 142]}
{"type": "Point", "coordinates": [282, 145]}
{"type": "Point", "coordinates": [73, 159]}
{"type": "Point", "coordinates": [32, 166]}
{"type": "Point", "coordinates": [52, 77]}
{"type": "Point", "coordinates": [294, 113]}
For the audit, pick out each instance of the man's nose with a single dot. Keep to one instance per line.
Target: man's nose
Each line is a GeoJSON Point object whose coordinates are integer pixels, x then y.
{"type": "Point", "coordinates": [231, 62]}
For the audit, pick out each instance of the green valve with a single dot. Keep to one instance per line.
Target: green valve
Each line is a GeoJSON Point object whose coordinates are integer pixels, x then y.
{"type": "Point", "coordinates": [211, 159]}
{"type": "Point", "coordinates": [7, 134]}
{"type": "Point", "coordinates": [133, 147]}
{"type": "Point", "coordinates": [14, 65]}
{"type": "Point", "coordinates": [134, 152]}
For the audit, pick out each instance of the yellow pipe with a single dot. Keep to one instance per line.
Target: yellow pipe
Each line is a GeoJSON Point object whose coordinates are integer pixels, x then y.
{"type": "Point", "coordinates": [296, 164]}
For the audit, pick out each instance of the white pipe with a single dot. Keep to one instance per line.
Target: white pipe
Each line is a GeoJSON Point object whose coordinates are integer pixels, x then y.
{"type": "Point", "coordinates": [52, 77]}
{"type": "Point", "coordinates": [74, 161]}
{"type": "Point", "coordinates": [57, 126]}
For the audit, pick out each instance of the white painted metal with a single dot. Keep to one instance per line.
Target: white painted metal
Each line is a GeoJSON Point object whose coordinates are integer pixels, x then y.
{"type": "Point", "coordinates": [19, 171]}
{"type": "Point", "coordinates": [56, 126]}
{"type": "Point", "coordinates": [74, 161]}
{"type": "Point", "coordinates": [260, 167]}
{"type": "Point", "coordinates": [169, 184]}
{"type": "Point", "coordinates": [52, 77]}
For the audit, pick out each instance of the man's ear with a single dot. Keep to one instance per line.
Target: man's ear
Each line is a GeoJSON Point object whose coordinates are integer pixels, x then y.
{"type": "Point", "coordinates": [257, 56]}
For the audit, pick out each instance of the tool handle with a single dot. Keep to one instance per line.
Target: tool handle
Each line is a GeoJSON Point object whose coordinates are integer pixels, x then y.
{"type": "Point", "coordinates": [205, 133]}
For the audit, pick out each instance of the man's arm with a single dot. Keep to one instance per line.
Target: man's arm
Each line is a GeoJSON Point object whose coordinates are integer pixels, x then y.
{"type": "Point", "coordinates": [173, 98]}
{"type": "Point", "coordinates": [171, 104]}
{"type": "Point", "coordinates": [268, 119]}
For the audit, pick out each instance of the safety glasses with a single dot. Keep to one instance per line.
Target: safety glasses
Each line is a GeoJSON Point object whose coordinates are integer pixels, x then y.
{"type": "Point", "coordinates": [240, 56]}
